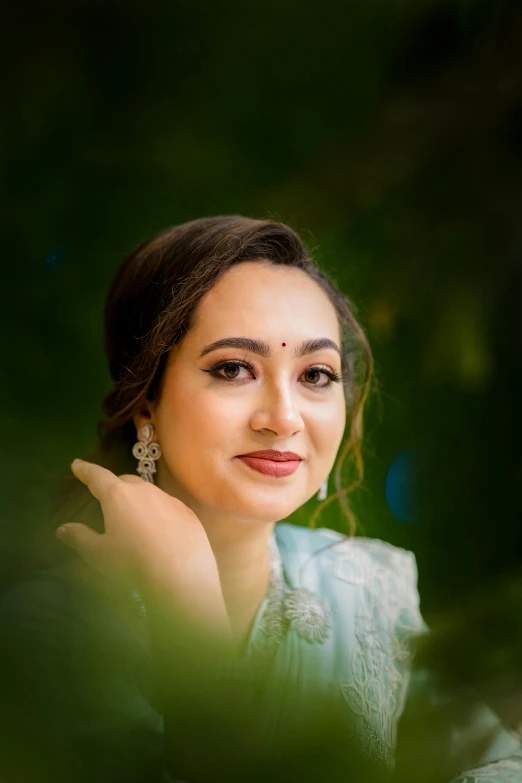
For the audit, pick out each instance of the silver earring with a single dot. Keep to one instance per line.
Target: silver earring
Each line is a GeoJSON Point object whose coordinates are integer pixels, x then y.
{"type": "Point", "coordinates": [147, 453]}
{"type": "Point", "coordinates": [323, 491]}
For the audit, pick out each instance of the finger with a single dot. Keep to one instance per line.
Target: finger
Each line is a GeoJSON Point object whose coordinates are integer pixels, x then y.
{"type": "Point", "coordinates": [78, 537]}
{"type": "Point", "coordinates": [129, 478]}
{"type": "Point", "coordinates": [95, 477]}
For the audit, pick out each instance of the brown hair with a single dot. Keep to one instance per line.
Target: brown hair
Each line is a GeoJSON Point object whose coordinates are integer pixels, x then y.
{"type": "Point", "coordinates": [151, 304]}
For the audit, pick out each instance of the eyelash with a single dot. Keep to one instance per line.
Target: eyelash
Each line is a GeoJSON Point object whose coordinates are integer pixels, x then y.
{"type": "Point", "coordinates": [333, 376]}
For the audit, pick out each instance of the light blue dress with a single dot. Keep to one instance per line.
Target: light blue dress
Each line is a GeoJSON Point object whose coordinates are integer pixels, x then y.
{"type": "Point", "coordinates": [369, 588]}
{"type": "Point", "coordinates": [349, 635]}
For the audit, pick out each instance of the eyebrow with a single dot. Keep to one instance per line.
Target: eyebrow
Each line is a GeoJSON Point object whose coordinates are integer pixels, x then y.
{"type": "Point", "coordinates": [263, 349]}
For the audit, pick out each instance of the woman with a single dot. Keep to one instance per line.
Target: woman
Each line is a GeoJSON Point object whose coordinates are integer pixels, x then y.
{"type": "Point", "coordinates": [238, 366]}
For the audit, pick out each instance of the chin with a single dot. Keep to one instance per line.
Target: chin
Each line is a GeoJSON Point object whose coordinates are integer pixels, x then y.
{"type": "Point", "coordinates": [269, 509]}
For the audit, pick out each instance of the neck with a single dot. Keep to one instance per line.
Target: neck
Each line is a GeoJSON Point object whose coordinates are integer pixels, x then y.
{"type": "Point", "coordinates": [243, 558]}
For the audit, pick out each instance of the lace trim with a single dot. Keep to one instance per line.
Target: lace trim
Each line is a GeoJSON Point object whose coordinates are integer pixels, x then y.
{"type": "Point", "coordinates": [300, 609]}
{"type": "Point", "coordinates": [387, 616]}
{"type": "Point", "coordinates": [284, 608]}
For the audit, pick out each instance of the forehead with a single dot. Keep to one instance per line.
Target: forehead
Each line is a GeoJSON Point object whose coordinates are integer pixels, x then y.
{"type": "Point", "coordinates": [260, 297]}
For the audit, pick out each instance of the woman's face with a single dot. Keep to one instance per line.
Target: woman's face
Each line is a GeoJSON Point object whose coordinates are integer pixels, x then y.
{"type": "Point", "coordinates": [282, 401]}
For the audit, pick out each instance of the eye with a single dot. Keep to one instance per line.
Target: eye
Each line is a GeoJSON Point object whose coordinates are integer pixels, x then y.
{"type": "Point", "coordinates": [333, 377]}
{"type": "Point", "coordinates": [228, 367]}
{"type": "Point", "coordinates": [231, 373]}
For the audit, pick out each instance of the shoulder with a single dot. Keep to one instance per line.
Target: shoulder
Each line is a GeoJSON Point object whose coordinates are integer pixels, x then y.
{"type": "Point", "coordinates": [48, 618]}
{"type": "Point", "coordinates": [365, 554]}
{"type": "Point", "coordinates": [42, 594]}
{"type": "Point", "coordinates": [41, 630]}
{"type": "Point", "coordinates": [52, 609]}
{"type": "Point", "coordinates": [54, 630]}
{"type": "Point", "coordinates": [374, 573]}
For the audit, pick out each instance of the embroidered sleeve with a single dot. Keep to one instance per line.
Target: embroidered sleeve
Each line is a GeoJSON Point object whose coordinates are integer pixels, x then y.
{"type": "Point", "coordinates": [382, 586]}
{"type": "Point", "coordinates": [381, 582]}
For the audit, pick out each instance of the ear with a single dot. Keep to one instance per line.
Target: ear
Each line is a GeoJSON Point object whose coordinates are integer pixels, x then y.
{"type": "Point", "coordinates": [145, 415]}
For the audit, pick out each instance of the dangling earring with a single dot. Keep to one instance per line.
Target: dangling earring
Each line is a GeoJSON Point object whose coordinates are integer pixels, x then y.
{"type": "Point", "coordinates": [323, 491]}
{"type": "Point", "coordinates": [147, 453]}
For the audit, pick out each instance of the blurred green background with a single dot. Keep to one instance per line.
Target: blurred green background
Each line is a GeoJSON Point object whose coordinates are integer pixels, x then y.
{"type": "Point", "coordinates": [388, 133]}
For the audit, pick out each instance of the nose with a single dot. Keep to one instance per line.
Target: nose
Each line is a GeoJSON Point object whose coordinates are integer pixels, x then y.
{"type": "Point", "coordinates": [277, 412]}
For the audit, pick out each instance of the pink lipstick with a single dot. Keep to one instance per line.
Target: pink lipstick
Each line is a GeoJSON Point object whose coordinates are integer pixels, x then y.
{"type": "Point", "coordinates": [272, 463]}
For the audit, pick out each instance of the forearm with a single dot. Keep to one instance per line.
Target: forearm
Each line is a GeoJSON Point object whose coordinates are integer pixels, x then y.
{"type": "Point", "coordinates": [190, 594]}
{"type": "Point", "coordinates": [191, 651]}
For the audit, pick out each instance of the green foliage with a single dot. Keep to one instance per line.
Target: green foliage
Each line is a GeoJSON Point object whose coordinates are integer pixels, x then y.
{"type": "Point", "coordinates": [388, 133]}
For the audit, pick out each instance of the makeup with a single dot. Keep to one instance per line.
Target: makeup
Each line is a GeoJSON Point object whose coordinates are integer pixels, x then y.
{"type": "Point", "coordinates": [271, 467]}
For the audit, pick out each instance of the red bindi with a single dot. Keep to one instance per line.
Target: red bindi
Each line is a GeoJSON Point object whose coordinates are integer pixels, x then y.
{"type": "Point", "coordinates": [283, 343]}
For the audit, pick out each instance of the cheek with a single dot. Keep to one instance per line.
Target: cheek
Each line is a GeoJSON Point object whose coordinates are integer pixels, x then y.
{"type": "Point", "coordinates": [197, 424]}
{"type": "Point", "coordinates": [327, 431]}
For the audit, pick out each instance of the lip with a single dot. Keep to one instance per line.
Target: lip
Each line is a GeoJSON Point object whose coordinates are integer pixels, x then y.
{"type": "Point", "coordinates": [274, 468]}
{"type": "Point", "coordinates": [274, 456]}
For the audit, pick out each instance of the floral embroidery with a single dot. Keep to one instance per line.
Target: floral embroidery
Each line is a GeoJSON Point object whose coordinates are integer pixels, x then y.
{"type": "Point", "coordinates": [386, 617]}
{"type": "Point", "coordinates": [285, 608]}
{"type": "Point", "coordinates": [274, 624]}
{"type": "Point", "coordinates": [300, 609]}
{"type": "Point", "coordinates": [308, 614]}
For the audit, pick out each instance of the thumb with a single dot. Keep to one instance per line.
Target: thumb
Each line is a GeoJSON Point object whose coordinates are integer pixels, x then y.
{"type": "Point", "coordinates": [79, 537]}
{"type": "Point", "coordinates": [131, 478]}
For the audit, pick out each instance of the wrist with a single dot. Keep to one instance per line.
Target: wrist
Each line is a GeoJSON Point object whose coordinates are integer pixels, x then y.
{"type": "Point", "coordinates": [191, 596]}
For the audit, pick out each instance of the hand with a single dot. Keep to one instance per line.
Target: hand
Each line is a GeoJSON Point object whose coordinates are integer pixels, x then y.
{"type": "Point", "coordinates": [151, 540]}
